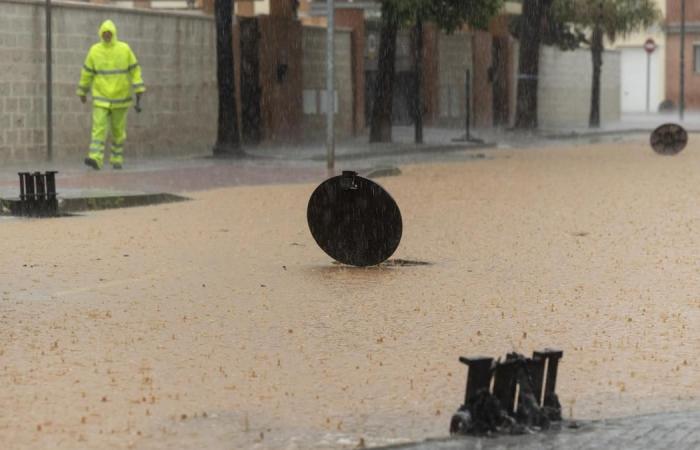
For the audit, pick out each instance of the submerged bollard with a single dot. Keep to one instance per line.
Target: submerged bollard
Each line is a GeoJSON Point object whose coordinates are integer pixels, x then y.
{"type": "Point", "coordinates": [552, 357]}
{"type": "Point", "coordinates": [39, 182]}
{"type": "Point", "coordinates": [505, 381]}
{"type": "Point", "coordinates": [37, 195]}
{"type": "Point", "coordinates": [493, 389]}
{"type": "Point", "coordinates": [478, 376]}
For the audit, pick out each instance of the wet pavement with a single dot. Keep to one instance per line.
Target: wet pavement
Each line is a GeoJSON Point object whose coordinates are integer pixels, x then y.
{"type": "Point", "coordinates": [678, 431]}
{"type": "Point", "coordinates": [218, 323]}
{"type": "Point", "coordinates": [277, 164]}
{"type": "Point", "coordinates": [263, 165]}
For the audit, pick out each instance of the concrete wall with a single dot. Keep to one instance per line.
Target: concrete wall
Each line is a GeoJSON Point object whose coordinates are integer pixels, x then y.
{"type": "Point", "coordinates": [177, 55]}
{"type": "Point", "coordinates": [454, 59]}
{"type": "Point", "coordinates": [314, 80]}
{"type": "Point", "coordinates": [564, 90]}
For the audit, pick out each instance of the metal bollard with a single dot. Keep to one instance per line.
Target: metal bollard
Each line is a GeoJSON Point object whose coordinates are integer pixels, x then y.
{"type": "Point", "coordinates": [51, 184]}
{"type": "Point", "coordinates": [553, 357]}
{"type": "Point", "coordinates": [40, 184]}
{"type": "Point", "coordinates": [535, 368]}
{"type": "Point", "coordinates": [504, 384]}
{"type": "Point", "coordinates": [478, 375]}
{"type": "Point", "coordinates": [37, 194]}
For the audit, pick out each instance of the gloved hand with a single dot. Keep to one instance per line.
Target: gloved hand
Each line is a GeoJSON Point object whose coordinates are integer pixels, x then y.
{"type": "Point", "coordinates": [137, 106]}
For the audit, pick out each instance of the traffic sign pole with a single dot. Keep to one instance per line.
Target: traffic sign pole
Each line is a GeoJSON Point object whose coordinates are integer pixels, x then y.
{"type": "Point", "coordinates": [649, 47]}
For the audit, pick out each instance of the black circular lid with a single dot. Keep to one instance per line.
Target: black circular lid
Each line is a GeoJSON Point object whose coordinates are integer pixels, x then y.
{"type": "Point", "coordinates": [354, 220]}
{"type": "Point", "coordinates": [669, 139]}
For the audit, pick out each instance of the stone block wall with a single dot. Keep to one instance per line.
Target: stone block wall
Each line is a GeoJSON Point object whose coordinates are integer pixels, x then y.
{"type": "Point", "coordinates": [178, 59]}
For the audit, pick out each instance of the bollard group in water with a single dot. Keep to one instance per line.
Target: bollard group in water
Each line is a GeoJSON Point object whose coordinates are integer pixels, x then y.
{"type": "Point", "coordinates": [37, 197]}
{"type": "Point", "coordinates": [515, 395]}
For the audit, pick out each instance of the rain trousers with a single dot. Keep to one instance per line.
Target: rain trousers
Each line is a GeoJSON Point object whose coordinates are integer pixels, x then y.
{"type": "Point", "coordinates": [113, 72]}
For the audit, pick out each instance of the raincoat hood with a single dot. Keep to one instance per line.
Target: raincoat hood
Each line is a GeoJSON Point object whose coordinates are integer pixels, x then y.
{"type": "Point", "coordinates": [108, 25]}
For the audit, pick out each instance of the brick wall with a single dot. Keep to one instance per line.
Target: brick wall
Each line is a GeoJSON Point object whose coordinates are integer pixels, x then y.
{"type": "Point", "coordinates": [314, 81]}
{"type": "Point", "coordinates": [177, 55]}
{"type": "Point", "coordinates": [564, 89]}
{"type": "Point", "coordinates": [673, 11]}
{"type": "Point", "coordinates": [692, 77]}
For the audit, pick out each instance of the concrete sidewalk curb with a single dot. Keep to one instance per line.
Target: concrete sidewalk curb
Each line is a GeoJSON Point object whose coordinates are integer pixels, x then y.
{"type": "Point", "coordinates": [72, 205]}
{"type": "Point", "coordinates": [604, 133]}
{"type": "Point", "coordinates": [408, 149]}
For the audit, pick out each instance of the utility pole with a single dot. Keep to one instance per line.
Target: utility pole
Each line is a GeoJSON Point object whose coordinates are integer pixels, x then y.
{"type": "Point", "coordinates": [49, 83]}
{"type": "Point", "coordinates": [330, 88]}
{"type": "Point", "coordinates": [681, 101]}
{"type": "Point", "coordinates": [418, 75]}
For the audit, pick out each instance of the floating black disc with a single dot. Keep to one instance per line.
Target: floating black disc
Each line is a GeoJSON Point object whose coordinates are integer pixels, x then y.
{"type": "Point", "coordinates": [669, 139]}
{"type": "Point", "coordinates": [354, 220]}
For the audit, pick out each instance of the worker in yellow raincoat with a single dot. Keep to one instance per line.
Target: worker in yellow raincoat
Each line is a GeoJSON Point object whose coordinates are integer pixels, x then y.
{"type": "Point", "coordinates": [113, 72]}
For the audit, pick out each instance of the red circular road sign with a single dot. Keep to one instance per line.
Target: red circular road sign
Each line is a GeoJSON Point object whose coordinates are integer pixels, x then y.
{"type": "Point", "coordinates": [649, 45]}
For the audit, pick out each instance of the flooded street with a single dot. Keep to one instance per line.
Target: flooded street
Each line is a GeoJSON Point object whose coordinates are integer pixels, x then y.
{"type": "Point", "coordinates": [219, 324]}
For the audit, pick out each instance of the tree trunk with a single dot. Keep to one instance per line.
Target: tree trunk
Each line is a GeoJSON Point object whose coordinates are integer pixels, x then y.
{"type": "Point", "coordinates": [418, 71]}
{"type": "Point", "coordinates": [597, 56]}
{"type": "Point", "coordinates": [380, 126]}
{"type": "Point", "coordinates": [228, 141]}
{"type": "Point", "coordinates": [528, 64]}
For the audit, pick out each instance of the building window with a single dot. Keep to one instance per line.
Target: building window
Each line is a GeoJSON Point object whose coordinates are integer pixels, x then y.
{"type": "Point", "coordinates": [696, 58]}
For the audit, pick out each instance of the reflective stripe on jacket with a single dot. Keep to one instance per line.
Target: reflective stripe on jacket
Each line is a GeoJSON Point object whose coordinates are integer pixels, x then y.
{"type": "Point", "coordinates": [113, 72]}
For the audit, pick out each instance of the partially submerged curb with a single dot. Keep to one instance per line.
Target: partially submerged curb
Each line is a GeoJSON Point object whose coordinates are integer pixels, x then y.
{"type": "Point", "coordinates": [72, 205]}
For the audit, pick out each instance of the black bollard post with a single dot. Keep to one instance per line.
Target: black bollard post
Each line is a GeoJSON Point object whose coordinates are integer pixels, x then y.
{"type": "Point", "coordinates": [40, 186]}
{"type": "Point", "coordinates": [535, 368]}
{"type": "Point", "coordinates": [51, 195]}
{"type": "Point", "coordinates": [22, 188]}
{"type": "Point", "coordinates": [31, 194]}
{"type": "Point", "coordinates": [478, 375]}
{"type": "Point", "coordinates": [26, 193]}
{"type": "Point", "coordinates": [40, 204]}
{"type": "Point", "coordinates": [504, 384]}
{"type": "Point", "coordinates": [553, 356]}
{"type": "Point", "coordinates": [51, 184]}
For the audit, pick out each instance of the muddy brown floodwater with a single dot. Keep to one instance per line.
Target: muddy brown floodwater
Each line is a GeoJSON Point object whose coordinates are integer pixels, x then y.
{"type": "Point", "coordinates": [219, 324]}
